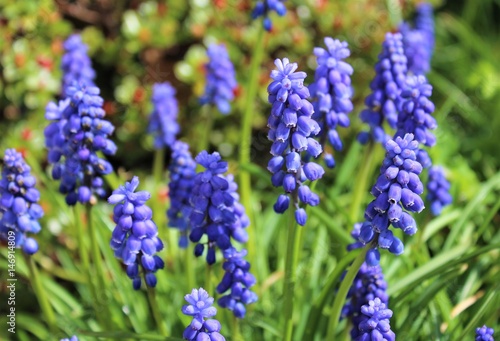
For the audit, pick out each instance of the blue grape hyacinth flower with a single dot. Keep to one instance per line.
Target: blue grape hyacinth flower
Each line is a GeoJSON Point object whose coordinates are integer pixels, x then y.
{"type": "Point", "coordinates": [238, 280]}
{"type": "Point", "coordinates": [163, 120]}
{"type": "Point", "coordinates": [200, 307]}
{"type": "Point", "coordinates": [74, 139]}
{"type": "Point", "coordinates": [438, 190]}
{"type": "Point", "coordinates": [383, 103]}
{"type": "Point", "coordinates": [332, 93]}
{"type": "Point", "coordinates": [135, 237]}
{"type": "Point", "coordinates": [75, 64]}
{"type": "Point", "coordinates": [373, 323]}
{"type": "Point", "coordinates": [220, 80]}
{"type": "Point", "coordinates": [73, 338]}
{"type": "Point", "coordinates": [397, 191]}
{"type": "Point", "coordinates": [263, 9]}
{"type": "Point", "coordinates": [182, 170]}
{"type": "Point", "coordinates": [215, 211]}
{"type": "Point", "coordinates": [484, 334]}
{"type": "Point", "coordinates": [291, 129]}
{"type": "Point", "coordinates": [19, 208]}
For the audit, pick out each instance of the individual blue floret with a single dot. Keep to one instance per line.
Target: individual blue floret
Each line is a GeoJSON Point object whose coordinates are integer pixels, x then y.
{"type": "Point", "coordinates": [438, 190]}
{"type": "Point", "coordinates": [220, 80]}
{"type": "Point", "coordinates": [215, 211]}
{"type": "Point", "coordinates": [135, 237]}
{"type": "Point", "coordinates": [76, 65]}
{"type": "Point", "coordinates": [163, 120]}
{"type": "Point", "coordinates": [182, 170]}
{"type": "Point", "coordinates": [373, 323]}
{"type": "Point", "coordinates": [263, 8]}
{"type": "Point", "coordinates": [74, 139]}
{"type": "Point", "coordinates": [484, 334]}
{"type": "Point", "coordinates": [238, 279]}
{"type": "Point", "coordinates": [332, 93]}
{"type": "Point", "coordinates": [383, 103]}
{"type": "Point", "coordinates": [19, 209]}
{"type": "Point", "coordinates": [292, 129]}
{"type": "Point", "coordinates": [73, 338]}
{"type": "Point", "coordinates": [397, 191]}
{"type": "Point", "coordinates": [200, 307]}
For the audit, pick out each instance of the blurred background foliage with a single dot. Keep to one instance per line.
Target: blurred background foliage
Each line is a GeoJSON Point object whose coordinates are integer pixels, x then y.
{"type": "Point", "coordinates": [134, 44]}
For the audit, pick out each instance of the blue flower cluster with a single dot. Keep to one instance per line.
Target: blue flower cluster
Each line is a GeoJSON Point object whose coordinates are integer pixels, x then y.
{"type": "Point", "coordinates": [163, 120]}
{"type": "Point", "coordinates": [182, 170]}
{"type": "Point", "coordinates": [135, 237]}
{"type": "Point", "coordinates": [238, 279]}
{"type": "Point", "coordinates": [215, 211]}
{"type": "Point", "coordinates": [200, 307]}
{"type": "Point", "coordinates": [221, 81]}
{"type": "Point", "coordinates": [291, 130]}
{"type": "Point", "coordinates": [76, 65]}
{"type": "Point", "coordinates": [73, 338]}
{"type": "Point", "coordinates": [384, 101]}
{"type": "Point", "coordinates": [332, 92]}
{"type": "Point", "coordinates": [262, 9]}
{"type": "Point", "coordinates": [438, 190]}
{"type": "Point", "coordinates": [373, 323]}
{"type": "Point", "coordinates": [397, 190]}
{"type": "Point", "coordinates": [19, 211]}
{"type": "Point", "coordinates": [77, 134]}
{"type": "Point", "coordinates": [484, 334]}
{"type": "Point", "coordinates": [419, 41]}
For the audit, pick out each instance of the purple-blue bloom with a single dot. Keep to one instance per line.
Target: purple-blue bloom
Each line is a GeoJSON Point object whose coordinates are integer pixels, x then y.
{"type": "Point", "coordinates": [19, 209]}
{"type": "Point", "coordinates": [74, 138]}
{"type": "Point", "coordinates": [332, 93]}
{"type": "Point", "coordinates": [135, 237]}
{"type": "Point", "coordinates": [373, 323]}
{"type": "Point", "coordinates": [200, 307]}
{"type": "Point", "coordinates": [73, 338]}
{"type": "Point", "coordinates": [220, 80]}
{"type": "Point", "coordinates": [438, 190]}
{"type": "Point", "coordinates": [76, 65]}
{"type": "Point", "coordinates": [383, 103]}
{"type": "Point", "coordinates": [182, 170]}
{"type": "Point", "coordinates": [163, 120]}
{"type": "Point", "coordinates": [262, 9]}
{"type": "Point", "coordinates": [238, 279]}
{"type": "Point", "coordinates": [484, 334]}
{"type": "Point", "coordinates": [397, 191]}
{"type": "Point", "coordinates": [291, 128]}
{"type": "Point", "coordinates": [215, 208]}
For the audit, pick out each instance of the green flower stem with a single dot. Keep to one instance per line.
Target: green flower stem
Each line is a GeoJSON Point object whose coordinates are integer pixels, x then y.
{"type": "Point", "coordinates": [340, 298]}
{"type": "Point", "coordinates": [361, 181]}
{"type": "Point", "coordinates": [188, 266]}
{"type": "Point", "coordinates": [246, 133]}
{"type": "Point", "coordinates": [40, 292]}
{"type": "Point", "coordinates": [156, 311]}
{"type": "Point", "coordinates": [100, 298]}
{"type": "Point", "coordinates": [236, 333]}
{"type": "Point", "coordinates": [207, 125]}
{"type": "Point", "coordinates": [158, 164]}
{"type": "Point", "coordinates": [208, 278]}
{"type": "Point", "coordinates": [291, 259]}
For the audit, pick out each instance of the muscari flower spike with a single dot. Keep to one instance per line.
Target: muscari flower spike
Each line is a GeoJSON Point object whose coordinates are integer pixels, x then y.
{"type": "Point", "coordinates": [438, 190]}
{"type": "Point", "coordinates": [484, 334]}
{"type": "Point", "coordinates": [292, 129]}
{"type": "Point", "coordinates": [19, 208]}
{"type": "Point", "coordinates": [163, 120]}
{"type": "Point", "coordinates": [263, 8]}
{"type": "Point", "coordinates": [216, 212]}
{"type": "Point", "coordinates": [200, 307]}
{"type": "Point", "coordinates": [220, 81]}
{"type": "Point", "coordinates": [135, 237]}
{"type": "Point", "coordinates": [373, 323]}
{"type": "Point", "coordinates": [73, 338]}
{"type": "Point", "coordinates": [332, 93]}
{"type": "Point", "coordinates": [383, 103]}
{"type": "Point", "coordinates": [182, 170]}
{"type": "Point", "coordinates": [75, 64]}
{"type": "Point", "coordinates": [397, 191]}
{"type": "Point", "coordinates": [74, 138]}
{"type": "Point", "coordinates": [238, 280]}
